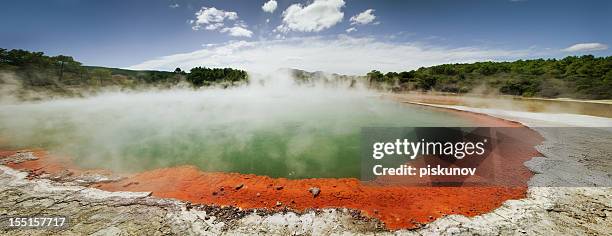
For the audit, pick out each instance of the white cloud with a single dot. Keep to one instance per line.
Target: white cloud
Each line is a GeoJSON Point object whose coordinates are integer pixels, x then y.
{"type": "Point", "coordinates": [586, 47]}
{"type": "Point", "coordinates": [237, 31]}
{"type": "Point", "coordinates": [269, 6]}
{"type": "Point", "coordinates": [214, 26]}
{"type": "Point", "coordinates": [363, 18]}
{"type": "Point", "coordinates": [175, 5]}
{"type": "Point", "coordinates": [319, 15]}
{"type": "Point", "coordinates": [214, 19]}
{"type": "Point", "coordinates": [212, 16]}
{"type": "Point", "coordinates": [341, 54]}
{"type": "Point", "coordinates": [352, 29]}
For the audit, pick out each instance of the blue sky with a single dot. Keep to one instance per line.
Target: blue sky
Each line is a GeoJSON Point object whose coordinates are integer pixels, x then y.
{"type": "Point", "coordinates": [328, 35]}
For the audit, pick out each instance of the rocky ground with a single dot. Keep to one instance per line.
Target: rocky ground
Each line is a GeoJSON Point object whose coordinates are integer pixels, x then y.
{"type": "Point", "coordinates": [571, 157]}
{"type": "Point", "coordinates": [577, 161]}
{"type": "Point", "coordinates": [93, 211]}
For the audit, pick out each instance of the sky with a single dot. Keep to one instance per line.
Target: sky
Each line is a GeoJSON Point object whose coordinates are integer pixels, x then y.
{"type": "Point", "coordinates": [340, 36]}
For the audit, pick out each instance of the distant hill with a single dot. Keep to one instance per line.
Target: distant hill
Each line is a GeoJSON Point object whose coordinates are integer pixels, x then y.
{"type": "Point", "coordinates": [585, 77]}
{"type": "Point", "coordinates": [302, 77]}
{"type": "Point", "coordinates": [33, 75]}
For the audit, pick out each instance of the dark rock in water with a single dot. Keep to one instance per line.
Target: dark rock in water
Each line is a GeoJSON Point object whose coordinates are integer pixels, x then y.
{"type": "Point", "coordinates": [315, 191]}
{"type": "Point", "coordinates": [221, 189]}
{"type": "Point", "coordinates": [239, 186]}
{"type": "Point", "coordinates": [214, 193]}
{"type": "Point", "coordinates": [279, 187]}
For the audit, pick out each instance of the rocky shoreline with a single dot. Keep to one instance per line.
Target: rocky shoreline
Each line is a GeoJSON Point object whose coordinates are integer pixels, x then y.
{"type": "Point", "coordinates": [570, 159]}
{"type": "Point", "coordinates": [98, 212]}
{"type": "Point", "coordinates": [563, 210]}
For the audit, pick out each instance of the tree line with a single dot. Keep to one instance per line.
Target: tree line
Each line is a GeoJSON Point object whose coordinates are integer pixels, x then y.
{"type": "Point", "coordinates": [64, 75]}
{"type": "Point", "coordinates": [202, 76]}
{"type": "Point", "coordinates": [586, 77]}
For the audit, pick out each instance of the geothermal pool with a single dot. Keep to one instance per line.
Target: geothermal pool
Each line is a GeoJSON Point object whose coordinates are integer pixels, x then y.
{"type": "Point", "coordinates": [294, 133]}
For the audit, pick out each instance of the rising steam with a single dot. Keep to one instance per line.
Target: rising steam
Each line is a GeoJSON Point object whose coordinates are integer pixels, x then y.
{"type": "Point", "coordinates": [271, 126]}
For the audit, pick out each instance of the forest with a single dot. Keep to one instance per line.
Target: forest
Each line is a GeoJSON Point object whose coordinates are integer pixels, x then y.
{"type": "Point", "coordinates": [584, 77]}
{"type": "Point", "coordinates": [35, 72]}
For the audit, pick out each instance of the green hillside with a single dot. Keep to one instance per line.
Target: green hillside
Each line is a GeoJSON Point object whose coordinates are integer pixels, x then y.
{"type": "Point", "coordinates": [37, 76]}
{"type": "Point", "coordinates": [585, 77]}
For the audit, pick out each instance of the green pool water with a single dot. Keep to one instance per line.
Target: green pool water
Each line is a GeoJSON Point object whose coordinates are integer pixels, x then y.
{"type": "Point", "coordinates": [301, 133]}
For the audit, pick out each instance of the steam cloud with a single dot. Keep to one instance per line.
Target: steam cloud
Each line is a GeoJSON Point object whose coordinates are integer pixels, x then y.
{"type": "Point", "coordinates": [272, 127]}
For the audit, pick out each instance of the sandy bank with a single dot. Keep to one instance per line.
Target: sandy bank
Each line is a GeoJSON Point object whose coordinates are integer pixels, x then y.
{"type": "Point", "coordinates": [599, 108]}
